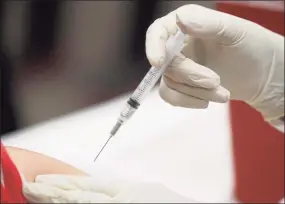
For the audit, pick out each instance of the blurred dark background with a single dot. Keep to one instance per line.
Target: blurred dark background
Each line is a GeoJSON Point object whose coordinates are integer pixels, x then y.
{"type": "Point", "coordinates": [61, 56]}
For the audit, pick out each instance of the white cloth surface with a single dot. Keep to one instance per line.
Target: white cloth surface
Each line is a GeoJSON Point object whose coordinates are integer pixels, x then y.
{"type": "Point", "coordinates": [187, 150]}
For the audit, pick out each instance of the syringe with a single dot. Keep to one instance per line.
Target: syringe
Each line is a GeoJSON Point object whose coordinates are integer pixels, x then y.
{"type": "Point", "coordinates": [174, 46]}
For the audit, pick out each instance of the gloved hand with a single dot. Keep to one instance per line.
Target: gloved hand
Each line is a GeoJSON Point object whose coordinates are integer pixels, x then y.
{"type": "Point", "coordinates": [65, 189]}
{"type": "Point", "coordinates": [77, 189]}
{"type": "Point", "coordinates": [223, 55]}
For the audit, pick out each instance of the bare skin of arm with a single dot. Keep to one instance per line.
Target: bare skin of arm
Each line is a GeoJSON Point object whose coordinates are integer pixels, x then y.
{"type": "Point", "coordinates": [32, 164]}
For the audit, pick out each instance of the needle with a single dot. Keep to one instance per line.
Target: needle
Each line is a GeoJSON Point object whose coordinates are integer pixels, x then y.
{"type": "Point", "coordinates": [102, 148]}
{"type": "Point", "coordinates": [113, 132]}
{"type": "Point", "coordinates": [173, 46]}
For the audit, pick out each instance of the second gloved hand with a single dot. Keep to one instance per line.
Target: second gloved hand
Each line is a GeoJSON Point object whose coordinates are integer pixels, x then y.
{"type": "Point", "coordinates": [79, 189]}
{"type": "Point", "coordinates": [225, 57]}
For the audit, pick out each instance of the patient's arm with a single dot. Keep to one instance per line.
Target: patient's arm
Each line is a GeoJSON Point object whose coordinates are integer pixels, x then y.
{"type": "Point", "coordinates": [31, 164]}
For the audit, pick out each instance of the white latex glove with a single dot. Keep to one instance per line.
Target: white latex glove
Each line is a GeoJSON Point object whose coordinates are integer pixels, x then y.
{"type": "Point", "coordinates": [225, 55]}
{"type": "Point", "coordinates": [77, 189]}
{"type": "Point", "coordinates": [64, 189]}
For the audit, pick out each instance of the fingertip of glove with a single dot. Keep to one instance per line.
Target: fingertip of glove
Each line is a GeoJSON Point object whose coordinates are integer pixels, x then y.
{"type": "Point", "coordinates": [227, 96]}
{"type": "Point", "coordinates": [156, 57]}
{"type": "Point", "coordinates": [156, 62]}
{"type": "Point", "coordinates": [223, 95]}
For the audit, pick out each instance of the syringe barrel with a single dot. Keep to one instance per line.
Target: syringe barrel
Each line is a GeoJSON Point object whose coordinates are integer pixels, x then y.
{"type": "Point", "coordinates": [174, 46]}
{"type": "Point", "coordinates": [148, 82]}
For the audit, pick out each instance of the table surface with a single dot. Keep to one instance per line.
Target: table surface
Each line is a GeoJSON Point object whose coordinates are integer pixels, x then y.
{"type": "Point", "coordinates": [188, 150]}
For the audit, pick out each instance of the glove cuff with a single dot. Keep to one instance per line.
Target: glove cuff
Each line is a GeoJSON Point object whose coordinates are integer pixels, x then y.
{"type": "Point", "coordinates": [270, 103]}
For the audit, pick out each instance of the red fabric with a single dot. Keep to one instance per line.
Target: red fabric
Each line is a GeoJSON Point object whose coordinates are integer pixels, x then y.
{"type": "Point", "coordinates": [11, 188]}
{"type": "Point", "coordinates": [258, 148]}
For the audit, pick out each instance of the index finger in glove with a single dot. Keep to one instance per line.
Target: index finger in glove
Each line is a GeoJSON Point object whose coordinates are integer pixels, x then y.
{"type": "Point", "coordinates": [156, 36]}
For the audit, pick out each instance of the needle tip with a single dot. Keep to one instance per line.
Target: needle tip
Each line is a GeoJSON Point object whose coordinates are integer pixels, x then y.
{"type": "Point", "coordinates": [102, 148]}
